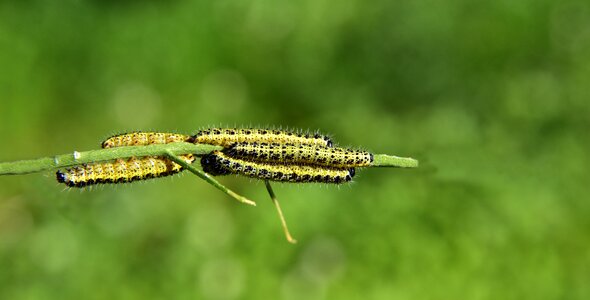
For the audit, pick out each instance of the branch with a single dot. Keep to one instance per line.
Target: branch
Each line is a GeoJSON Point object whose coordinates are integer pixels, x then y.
{"type": "Point", "coordinates": [78, 158]}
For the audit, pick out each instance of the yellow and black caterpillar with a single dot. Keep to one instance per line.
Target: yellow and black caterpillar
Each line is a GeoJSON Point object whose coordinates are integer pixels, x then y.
{"type": "Point", "coordinates": [300, 154]}
{"type": "Point", "coordinates": [218, 163]}
{"type": "Point", "coordinates": [119, 171]}
{"type": "Point", "coordinates": [139, 138]}
{"type": "Point", "coordinates": [228, 136]}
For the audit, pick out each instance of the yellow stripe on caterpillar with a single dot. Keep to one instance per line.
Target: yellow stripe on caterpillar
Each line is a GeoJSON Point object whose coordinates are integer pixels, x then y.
{"type": "Point", "coordinates": [300, 154]}
{"type": "Point", "coordinates": [228, 136]}
{"type": "Point", "coordinates": [139, 138]}
{"type": "Point", "coordinates": [120, 170]}
{"type": "Point", "coordinates": [218, 163]}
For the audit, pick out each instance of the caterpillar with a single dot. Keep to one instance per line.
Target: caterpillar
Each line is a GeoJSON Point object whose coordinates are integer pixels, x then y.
{"type": "Point", "coordinates": [143, 139]}
{"type": "Point", "coordinates": [300, 154]}
{"type": "Point", "coordinates": [227, 136]}
{"type": "Point", "coordinates": [119, 171]}
{"type": "Point", "coordinates": [218, 163]}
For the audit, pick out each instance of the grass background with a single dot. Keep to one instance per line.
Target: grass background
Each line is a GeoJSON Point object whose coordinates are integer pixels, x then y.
{"type": "Point", "coordinates": [492, 97]}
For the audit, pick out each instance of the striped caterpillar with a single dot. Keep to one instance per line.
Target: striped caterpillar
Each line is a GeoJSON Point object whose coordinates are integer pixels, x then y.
{"type": "Point", "coordinates": [332, 157]}
{"type": "Point", "coordinates": [143, 139]}
{"type": "Point", "coordinates": [118, 171]}
{"type": "Point", "coordinates": [218, 163]}
{"type": "Point", "coordinates": [228, 136]}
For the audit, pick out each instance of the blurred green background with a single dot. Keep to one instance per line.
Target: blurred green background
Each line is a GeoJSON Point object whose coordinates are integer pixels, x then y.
{"type": "Point", "coordinates": [492, 97]}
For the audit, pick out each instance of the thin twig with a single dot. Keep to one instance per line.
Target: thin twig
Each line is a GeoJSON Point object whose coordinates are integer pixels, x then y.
{"type": "Point", "coordinates": [79, 158]}
{"type": "Point", "coordinates": [290, 239]}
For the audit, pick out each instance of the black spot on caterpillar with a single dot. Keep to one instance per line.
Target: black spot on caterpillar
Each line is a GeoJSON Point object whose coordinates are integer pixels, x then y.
{"type": "Point", "coordinates": [143, 139]}
{"type": "Point", "coordinates": [218, 163]}
{"type": "Point", "coordinates": [300, 154]}
{"type": "Point", "coordinates": [120, 170]}
{"type": "Point", "coordinates": [228, 136]}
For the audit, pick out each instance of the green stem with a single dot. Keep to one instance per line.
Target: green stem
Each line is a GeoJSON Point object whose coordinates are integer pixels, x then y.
{"type": "Point", "coordinates": [78, 158]}
{"type": "Point", "coordinates": [384, 160]}
{"type": "Point", "coordinates": [290, 239]}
